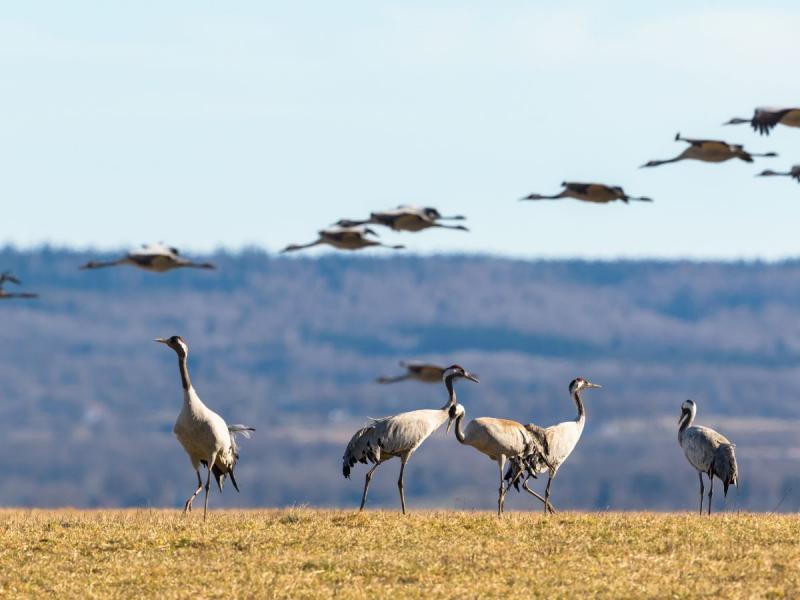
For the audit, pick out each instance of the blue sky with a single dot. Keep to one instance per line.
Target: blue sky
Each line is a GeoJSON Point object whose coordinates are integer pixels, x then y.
{"type": "Point", "coordinates": [228, 124]}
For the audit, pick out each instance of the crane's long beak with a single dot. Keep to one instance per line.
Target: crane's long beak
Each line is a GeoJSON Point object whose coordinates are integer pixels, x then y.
{"type": "Point", "coordinates": [449, 425]}
{"type": "Point", "coordinates": [592, 385]}
{"type": "Point", "coordinates": [161, 340]}
{"type": "Point", "coordinates": [471, 377]}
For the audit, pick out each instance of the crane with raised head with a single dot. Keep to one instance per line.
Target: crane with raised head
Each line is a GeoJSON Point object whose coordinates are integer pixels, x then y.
{"type": "Point", "coordinates": [399, 435]}
{"type": "Point", "coordinates": [206, 437]}
{"type": "Point", "coordinates": [558, 442]}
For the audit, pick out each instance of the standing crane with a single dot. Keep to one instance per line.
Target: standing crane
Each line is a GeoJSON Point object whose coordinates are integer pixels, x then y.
{"type": "Point", "coordinates": [765, 119]}
{"type": "Point", "coordinates": [557, 441]}
{"type": "Point", "coordinates": [419, 371]}
{"type": "Point", "coordinates": [707, 451]}
{"type": "Point", "coordinates": [205, 436]}
{"type": "Point", "coordinates": [500, 440]}
{"type": "Point", "coordinates": [6, 276]}
{"type": "Point", "coordinates": [713, 151]}
{"type": "Point", "coordinates": [151, 257]}
{"type": "Point", "coordinates": [399, 436]}
{"type": "Point", "coordinates": [351, 237]}
{"type": "Point", "coordinates": [590, 192]}
{"type": "Point", "coordinates": [794, 173]}
{"type": "Point", "coordinates": [408, 218]}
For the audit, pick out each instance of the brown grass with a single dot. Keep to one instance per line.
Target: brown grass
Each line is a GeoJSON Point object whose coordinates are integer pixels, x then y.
{"type": "Point", "coordinates": [304, 553]}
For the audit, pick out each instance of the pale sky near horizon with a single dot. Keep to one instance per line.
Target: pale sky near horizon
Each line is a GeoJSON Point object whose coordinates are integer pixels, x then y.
{"type": "Point", "coordinates": [208, 124]}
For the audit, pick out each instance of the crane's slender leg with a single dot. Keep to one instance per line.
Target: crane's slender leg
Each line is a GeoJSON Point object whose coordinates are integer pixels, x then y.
{"type": "Point", "coordinates": [710, 491]}
{"type": "Point", "coordinates": [501, 462]}
{"type": "Point", "coordinates": [546, 503]}
{"type": "Point", "coordinates": [366, 486]}
{"type": "Point", "coordinates": [208, 485]}
{"type": "Point", "coordinates": [547, 492]}
{"type": "Point", "coordinates": [702, 489]}
{"type": "Point", "coordinates": [188, 506]}
{"type": "Point", "coordinates": [404, 460]}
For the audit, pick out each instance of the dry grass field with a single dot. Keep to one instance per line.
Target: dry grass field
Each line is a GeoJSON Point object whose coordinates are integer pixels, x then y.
{"type": "Point", "coordinates": [305, 553]}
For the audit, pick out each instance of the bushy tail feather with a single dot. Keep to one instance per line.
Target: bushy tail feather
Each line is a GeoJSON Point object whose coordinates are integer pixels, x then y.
{"type": "Point", "coordinates": [725, 467]}
{"type": "Point", "coordinates": [243, 430]}
{"type": "Point", "coordinates": [363, 448]}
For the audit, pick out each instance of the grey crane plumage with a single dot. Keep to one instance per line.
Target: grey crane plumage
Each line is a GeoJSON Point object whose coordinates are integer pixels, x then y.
{"type": "Point", "coordinates": [764, 119]}
{"type": "Point", "coordinates": [707, 451]}
{"type": "Point", "coordinates": [597, 193]}
{"type": "Point", "coordinates": [8, 277]}
{"type": "Point", "coordinates": [399, 436]}
{"type": "Point", "coordinates": [500, 440]}
{"type": "Point", "coordinates": [349, 237]}
{"type": "Point", "coordinates": [157, 258]}
{"type": "Point", "coordinates": [205, 436]}
{"type": "Point", "coordinates": [713, 151]}
{"type": "Point", "coordinates": [418, 371]}
{"type": "Point", "coordinates": [558, 442]}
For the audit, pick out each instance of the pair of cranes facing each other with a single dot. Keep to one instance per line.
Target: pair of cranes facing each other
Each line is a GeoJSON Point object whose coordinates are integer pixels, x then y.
{"type": "Point", "coordinates": [499, 439]}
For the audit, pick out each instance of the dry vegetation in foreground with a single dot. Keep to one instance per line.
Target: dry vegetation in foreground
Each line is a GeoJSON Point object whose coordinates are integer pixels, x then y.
{"type": "Point", "coordinates": [305, 553]}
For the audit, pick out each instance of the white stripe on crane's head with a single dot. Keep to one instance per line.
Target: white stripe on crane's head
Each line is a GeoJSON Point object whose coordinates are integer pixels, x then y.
{"type": "Point", "coordinates": [453, 371]}
{"type": "Point", "coordinates": [177, 343]}
{"type": "Point", "coordinates": [688, 405]}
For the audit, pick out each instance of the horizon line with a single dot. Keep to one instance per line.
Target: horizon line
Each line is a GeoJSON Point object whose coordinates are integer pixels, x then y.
{"type": "Point", "coordinates": [244, 249]}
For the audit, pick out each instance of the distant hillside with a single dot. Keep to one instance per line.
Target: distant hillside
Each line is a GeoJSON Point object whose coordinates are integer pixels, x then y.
{"type": "Point", "coordinates": [293, 345]}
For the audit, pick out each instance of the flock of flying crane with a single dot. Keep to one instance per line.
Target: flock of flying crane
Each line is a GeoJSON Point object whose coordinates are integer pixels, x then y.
{"type": "Point", "coordinates": [527, 450]}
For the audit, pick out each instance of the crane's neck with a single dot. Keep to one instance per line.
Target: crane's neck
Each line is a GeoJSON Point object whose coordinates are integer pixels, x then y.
{"type": "Point", "coordinates": [451, 392]}
{"type": "Point", "coordinates": [184, 369]}
{"type": "Point", "coordinates": [576, 395]}
{"type": "Point", "coordinates": [459, 432]}
{"type": "Point", "coordinates": [687, 418]}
